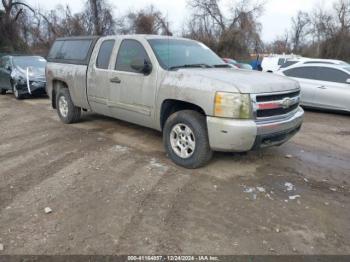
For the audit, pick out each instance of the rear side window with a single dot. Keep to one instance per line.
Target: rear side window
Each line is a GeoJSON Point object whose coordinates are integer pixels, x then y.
{"type": "Point", "coordinates": [281, 61]}
{"type": "Point", "coordinates": [318, 73]}
{"type": "Point", "coordinates": [130, 50]}
{"type": "Point", "coordinates": [288, 63]}
{"type": "Point", "coordinates": [55, 49]}
{"type": "Point", "coordinates": [332, 75]}
{"type": "Point", "coordinates": [104, 54]}
{"type": "Point", "coordinates": [301, 72]}
{"type": "Point", "coordinates": [73, 50]}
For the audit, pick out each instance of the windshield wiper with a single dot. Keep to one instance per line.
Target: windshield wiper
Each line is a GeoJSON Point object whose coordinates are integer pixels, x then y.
{"type": "Point", "coordinates": [221, 66]}
{"type": "Point", "coordinates": [191, 66]}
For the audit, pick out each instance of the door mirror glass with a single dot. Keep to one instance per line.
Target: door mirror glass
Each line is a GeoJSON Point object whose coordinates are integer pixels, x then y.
{"type": "Point", "coordinates": [141, 66]}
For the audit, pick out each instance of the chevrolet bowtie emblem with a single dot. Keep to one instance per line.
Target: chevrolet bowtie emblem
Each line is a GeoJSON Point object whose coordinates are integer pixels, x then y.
{"type": "Point", "coordinates": [287, 103]}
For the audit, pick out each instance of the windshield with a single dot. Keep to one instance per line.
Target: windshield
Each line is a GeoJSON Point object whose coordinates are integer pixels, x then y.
{"type": "Point", "coordinates": [172, 53]}
{"type": "Point", "coordinates": [29, 61]}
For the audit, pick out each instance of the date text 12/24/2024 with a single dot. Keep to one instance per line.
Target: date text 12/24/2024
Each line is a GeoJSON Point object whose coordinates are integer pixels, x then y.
{"type": "Point", "coordinates": [173, 258]}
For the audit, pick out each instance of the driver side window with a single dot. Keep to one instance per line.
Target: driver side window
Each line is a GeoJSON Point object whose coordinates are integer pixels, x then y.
{"type": "Point", "coordinates": [130, 50]}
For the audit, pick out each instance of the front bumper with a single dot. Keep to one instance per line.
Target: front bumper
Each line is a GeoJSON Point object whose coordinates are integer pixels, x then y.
{"type": "Point", "coordinates": [36, 88]}
{"type": "Point", "coordinates": [230, 135]}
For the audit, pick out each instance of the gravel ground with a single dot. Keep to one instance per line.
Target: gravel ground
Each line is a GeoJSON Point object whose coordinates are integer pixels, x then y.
{"type": "Point", "coordinates": [112, 190]}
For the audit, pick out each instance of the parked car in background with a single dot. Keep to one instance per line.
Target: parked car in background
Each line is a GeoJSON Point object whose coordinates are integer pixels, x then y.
{"type": "Point", "coordinates": [23, 75]}
{"type": "Point", "coordinates": [323, 86]}
{"type": "Point", "coordinates": [237, 64]}
{"type": "Point", "coordinates": [177, 86]}
{"type": "Point", "coordinates": [273, 63]}
{"type": "Point", "coordinates": [305, 61]}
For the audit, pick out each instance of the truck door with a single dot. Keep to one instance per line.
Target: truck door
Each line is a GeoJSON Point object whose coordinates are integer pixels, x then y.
{"type": "Point", "coordinates": [132, 94]}
{"type": "Point", "coordinates": [99, 73]}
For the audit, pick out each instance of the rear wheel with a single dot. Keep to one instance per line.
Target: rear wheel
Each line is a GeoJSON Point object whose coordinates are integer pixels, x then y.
{"type": "Point", "coordinates": [67, 111]}
{"type": "Point", "coordinates": [186, 139]}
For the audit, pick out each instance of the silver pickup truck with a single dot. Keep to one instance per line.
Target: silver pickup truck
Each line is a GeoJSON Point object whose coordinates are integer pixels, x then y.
{"type": "Point", "coordinates": [177, 86]}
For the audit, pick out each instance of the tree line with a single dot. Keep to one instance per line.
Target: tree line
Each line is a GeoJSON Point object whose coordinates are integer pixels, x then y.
{"type": "Point", "coordinates": [323, 33]}
{"type": "Point", "coordinates": [232, 31]}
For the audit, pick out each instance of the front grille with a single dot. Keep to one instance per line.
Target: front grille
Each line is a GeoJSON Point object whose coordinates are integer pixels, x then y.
{"type": "Point", "coordinates": [274, 105]}
{"type": "Point", "coordinates": [267, 98]}
{"type": "Point", "coordinates": [276, 112]}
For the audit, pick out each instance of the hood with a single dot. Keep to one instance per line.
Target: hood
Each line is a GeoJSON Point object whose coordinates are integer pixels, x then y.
{"type": "Point", "coordinates": [36, 73]}
{"type": "Point", "coordinates": [231, 80]}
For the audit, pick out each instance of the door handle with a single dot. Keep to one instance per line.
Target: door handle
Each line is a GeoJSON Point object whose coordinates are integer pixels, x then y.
{"type": "Point", "coordinates": [322, 87]}
{"type": "Point", "coordinates": [115, 80]}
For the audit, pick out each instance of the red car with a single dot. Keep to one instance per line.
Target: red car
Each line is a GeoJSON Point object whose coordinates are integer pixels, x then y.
{"type": "Point", "coordinates": [236, 64]}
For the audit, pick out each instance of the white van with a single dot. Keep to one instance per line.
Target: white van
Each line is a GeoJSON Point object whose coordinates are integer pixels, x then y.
{"type": "Point", "coordinates": [273, 62]}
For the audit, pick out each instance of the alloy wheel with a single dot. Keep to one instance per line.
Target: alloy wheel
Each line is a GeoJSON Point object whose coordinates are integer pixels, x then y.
{"type": "Point", "coordinates": [63, 106]}
{"type": "Point", "coordinates": [182, 141]}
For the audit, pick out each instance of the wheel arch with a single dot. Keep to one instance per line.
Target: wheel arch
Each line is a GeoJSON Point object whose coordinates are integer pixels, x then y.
{"type": "Point", "coordinates": [56, 85]}
{"type": "Point", "coordinates": [170, 106]}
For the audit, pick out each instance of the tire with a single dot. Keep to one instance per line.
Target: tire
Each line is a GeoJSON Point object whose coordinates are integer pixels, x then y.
{"type": "Point", "coordinates": [15, 92]}
{"type": "Point", "coordinates": [67, 111]}
{"type": "Point", "coordinates": [2, 91]}
{"type": "Point", "coordinates": [197, 155]}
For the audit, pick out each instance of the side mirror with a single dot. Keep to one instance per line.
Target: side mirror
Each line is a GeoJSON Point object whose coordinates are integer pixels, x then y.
{"type": "Point", "coordinates": [142, 66]}
{"type": "Point", "coordinates": [348, 81]}
{"type": "Point", "coordinates": [8, 68]}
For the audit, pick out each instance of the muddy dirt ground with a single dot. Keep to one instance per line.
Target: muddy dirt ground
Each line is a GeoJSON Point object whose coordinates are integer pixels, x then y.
{"type": "Point", "coordinates": [112, 190]}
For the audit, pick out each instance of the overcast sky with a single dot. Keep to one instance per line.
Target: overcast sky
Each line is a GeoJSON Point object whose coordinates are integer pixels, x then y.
{"type": "Point", "coordinates": [275, 20]}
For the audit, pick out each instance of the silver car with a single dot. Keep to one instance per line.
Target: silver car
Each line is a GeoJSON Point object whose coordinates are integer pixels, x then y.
{"type": "Point", "coordinates": [323, 86]}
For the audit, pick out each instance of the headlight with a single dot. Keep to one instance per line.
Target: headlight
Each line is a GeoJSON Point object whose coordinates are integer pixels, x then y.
{"type": "Point", "coordinates": [232, 105]}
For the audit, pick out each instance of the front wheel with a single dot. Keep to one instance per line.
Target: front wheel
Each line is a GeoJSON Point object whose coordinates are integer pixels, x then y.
{"type": "Point", "coordinates": [2, 91]}
{"type": "Point", "coordinates": [186, 139]}
{"type": "Point", "coordinates": [16, 93]}
{"type": "Point", "coordinates": [67, 111]}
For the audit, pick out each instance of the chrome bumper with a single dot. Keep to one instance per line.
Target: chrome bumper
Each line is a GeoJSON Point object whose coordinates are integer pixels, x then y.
{"type": "Point", "coordinates": [230, 135]}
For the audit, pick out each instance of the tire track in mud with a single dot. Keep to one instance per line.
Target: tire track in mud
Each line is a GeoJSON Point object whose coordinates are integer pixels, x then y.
{"type": "Point", "coordinates": [105, 223]}
{"type": "Point", "coordinates": [192, 209]}
{"type": "Point", "coordinates": [27, 175]}
{"type": "Point", "coordinates": [24, 148]}
{"type": "Point", "coordinates": [41, 127]}
{"type": "Point", "coordinates": [150, 212]}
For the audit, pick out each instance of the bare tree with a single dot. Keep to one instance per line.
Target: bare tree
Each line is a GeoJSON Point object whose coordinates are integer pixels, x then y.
{"type": "Point", "coordinates": [336, 45]}
{"type": "Point", "coordinates": [235, 34]}
{"type": "Point", "coordinates": [300, 28]}
{"type": "Point", "coordinates": [342, 9]}
{"type": "Point", "coordinates": [146, 21]}
{"type": "Point", "coordinates": [9, 30]}
{"type": "Point", "coordinates": [99, 18]}
{"type": "Point", "coordinates": [281, 45]}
